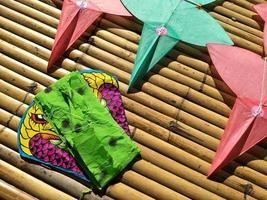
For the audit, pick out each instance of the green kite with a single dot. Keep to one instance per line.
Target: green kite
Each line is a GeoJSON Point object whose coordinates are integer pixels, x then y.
{"type": "Point", "coordinates": [98, 144]}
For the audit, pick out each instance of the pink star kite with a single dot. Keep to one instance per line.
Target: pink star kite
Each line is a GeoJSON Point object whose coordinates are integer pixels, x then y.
{"type": "Point", "coordinates": [246, 74]}
{"type": "Point", "coordinates": [76, 17]}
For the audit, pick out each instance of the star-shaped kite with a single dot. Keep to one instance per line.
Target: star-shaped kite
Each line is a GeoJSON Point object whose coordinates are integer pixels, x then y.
{"type": "Point", "coordinates": [76, 17]}
{"type": "Point", "coordinates": [246, 74]}
{"type": "Point", "coordinates": [167, 22]}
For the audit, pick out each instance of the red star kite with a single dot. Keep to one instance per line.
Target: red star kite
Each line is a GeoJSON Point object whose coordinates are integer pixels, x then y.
{"type": "Point", "coordinates": [76, 17]}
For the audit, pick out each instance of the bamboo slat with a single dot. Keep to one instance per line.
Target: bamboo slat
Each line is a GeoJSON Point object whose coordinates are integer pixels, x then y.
{"type": "Point", "coordinates": [180, 170]}
{"type": "Point", "coordinates": [256, 1]}
{"type": "Point", "coordinates": [238, 17]}
{"type": "Point", "coordinates": [244, 4]}
{"type": "Point", "coordinates": [25, 32]}
{"type": "Point", "coordinates": [234, 23]}
{"type": "Point", "coordinates": [171, 181]}
{"type": "Point", "coordinates": [9, 120]}
{"type": "Point", "coordinates": [27, 21]}
{"type": "Point", "coordinates": [27, 57]}
{"type": "Point", "coordinates": [241, 33]}
{"type": "Point", "coordinates": [224, 177]}
{"type": "Point", "coordinates": [243, 11]}
{"type": "Point", "coordinates": [42, 17]}
{"type": "Point", "coordinates": [20, 81]}
{"type": "Point", "coordinates": [20, 42]}
{"type": "Point", "coordinates": [149, 187]}
{"type": "Point", "coordinates": [30, 184]}
{"type": "Point", "coordinates": [8, 137]}
{"type": "Point", "coordinates": [20, 95]}
{"type": "Point", "coordinates": [43, 7]}
{"type": "Point", "coordinates": [8, 192]}
{"type": "Point", "coordinates": [123, 192]}
{"type": "Point", "coordinates": [12, 105]}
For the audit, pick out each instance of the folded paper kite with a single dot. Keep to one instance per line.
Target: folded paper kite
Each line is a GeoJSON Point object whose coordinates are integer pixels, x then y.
{"type": "Point", "coordinates": [261, 9]}
{"type": "Point", "coordinates": [38, 140]}
{"type": "Point", "coordinates": [167, 22]}
{"type": "Point", "coordinates": [246, 74]}
{"type": "Point", "coordinates": [76, 17]}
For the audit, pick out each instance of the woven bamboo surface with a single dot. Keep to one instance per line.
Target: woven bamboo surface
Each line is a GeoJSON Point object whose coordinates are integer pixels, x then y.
{"type": "Point", "coordinates": [177, 115]}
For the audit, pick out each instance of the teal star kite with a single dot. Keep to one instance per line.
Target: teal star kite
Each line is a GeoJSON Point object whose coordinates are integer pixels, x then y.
{"type": "Point", "coordinates": [165, 24]}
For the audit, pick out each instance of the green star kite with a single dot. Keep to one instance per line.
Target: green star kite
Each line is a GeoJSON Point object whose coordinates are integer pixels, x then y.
{"type": "Point", "coordinates": [166, 22]}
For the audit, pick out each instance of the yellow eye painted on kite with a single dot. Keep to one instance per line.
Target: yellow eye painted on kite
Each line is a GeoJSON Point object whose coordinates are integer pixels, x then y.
{"type": "Point", "coordinates": [38, 118]}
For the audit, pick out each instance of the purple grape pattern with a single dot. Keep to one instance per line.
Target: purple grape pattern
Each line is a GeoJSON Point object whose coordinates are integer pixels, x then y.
{"type": "Point", "coordinates": [42, 149]}
{"type": "Point", "coordinates": [106, 87]}
{"type": "Point", "coordinates": [112, 96]}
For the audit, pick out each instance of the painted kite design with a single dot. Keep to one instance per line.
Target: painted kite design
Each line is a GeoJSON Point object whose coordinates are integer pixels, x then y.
{"type": "Point", "coordinates": [38, 140]}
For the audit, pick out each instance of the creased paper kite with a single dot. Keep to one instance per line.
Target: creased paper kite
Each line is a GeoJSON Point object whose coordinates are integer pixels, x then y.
{"type": "Point", "coordinates": [76, 17]}
{"type": "Point", "coordinates": [246, 74]}
{"type": "Point", "coordinates": [97, 142]}
{"type": "Point", "coordinates": [261, 9]}
{"type": "Point", "coordinates": [167, 22]}
{"type": "Point", "coordinates": [38, 140]}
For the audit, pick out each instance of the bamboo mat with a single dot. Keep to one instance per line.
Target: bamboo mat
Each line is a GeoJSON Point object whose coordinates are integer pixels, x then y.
{"type": "Point", "coordinates": [177, 115]}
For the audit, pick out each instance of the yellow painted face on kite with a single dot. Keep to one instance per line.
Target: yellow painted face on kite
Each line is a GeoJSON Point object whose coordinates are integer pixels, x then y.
{"type": "Point", "coordinates": [34, 123]}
